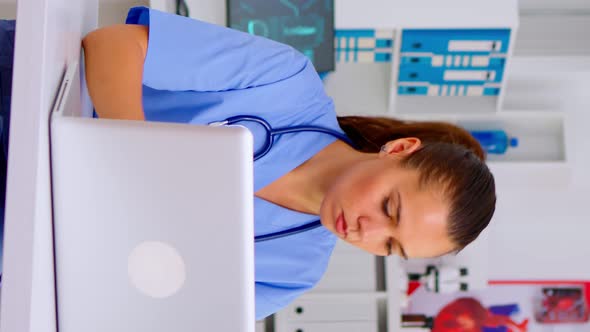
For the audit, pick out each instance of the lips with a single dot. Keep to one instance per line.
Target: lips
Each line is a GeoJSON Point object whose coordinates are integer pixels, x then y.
{"type": "Point", "coordinates": [341, 225]}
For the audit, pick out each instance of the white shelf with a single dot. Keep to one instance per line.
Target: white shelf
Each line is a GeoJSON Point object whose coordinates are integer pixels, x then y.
{"type": "Point", "coordinates": [540, 136]}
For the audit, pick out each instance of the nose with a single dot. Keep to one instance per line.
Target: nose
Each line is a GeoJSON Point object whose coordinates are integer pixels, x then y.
{"type": "Point", "coordinates": [371, 228]}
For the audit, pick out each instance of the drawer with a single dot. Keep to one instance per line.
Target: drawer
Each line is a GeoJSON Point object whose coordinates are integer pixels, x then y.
{"type": "Point", "coordinates": [331, 307]}
{"type": "Point", "coordinates": [330, 327]}
{"type": "Point", "coordinates": [443, 41]}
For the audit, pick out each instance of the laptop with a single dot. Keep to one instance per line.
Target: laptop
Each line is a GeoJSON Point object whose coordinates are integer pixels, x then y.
{"type": "Point", "coordinates": [153, 222]}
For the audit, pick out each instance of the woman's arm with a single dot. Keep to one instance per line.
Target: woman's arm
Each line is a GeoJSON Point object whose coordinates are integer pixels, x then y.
{"type": "Point", "coordinates": [114, 58]}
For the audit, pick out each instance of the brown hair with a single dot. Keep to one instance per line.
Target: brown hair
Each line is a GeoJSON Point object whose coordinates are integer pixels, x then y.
{"type": "Point", "coordinates": [449, 157]}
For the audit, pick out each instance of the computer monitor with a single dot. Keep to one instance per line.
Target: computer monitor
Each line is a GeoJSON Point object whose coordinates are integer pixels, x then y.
{"type": "Point", "coordinates": [308, 26]}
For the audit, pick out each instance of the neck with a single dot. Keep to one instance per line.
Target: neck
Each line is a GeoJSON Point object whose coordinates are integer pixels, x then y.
{"type": "Point", "coordinates": [304, 188]}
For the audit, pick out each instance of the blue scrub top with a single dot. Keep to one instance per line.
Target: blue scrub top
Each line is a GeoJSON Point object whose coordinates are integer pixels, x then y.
{"type": "Point", "coordinates": [198, 73]}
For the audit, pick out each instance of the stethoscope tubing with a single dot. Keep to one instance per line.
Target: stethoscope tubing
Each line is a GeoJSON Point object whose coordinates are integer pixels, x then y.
{"type": "Point", "coordinates": [272, 132]}
{"type": "Point", "coordinates": [288, 232]}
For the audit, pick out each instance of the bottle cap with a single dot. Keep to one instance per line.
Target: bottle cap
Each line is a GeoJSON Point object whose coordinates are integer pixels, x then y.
{"type": "Point", "coordinates": [514, 142]}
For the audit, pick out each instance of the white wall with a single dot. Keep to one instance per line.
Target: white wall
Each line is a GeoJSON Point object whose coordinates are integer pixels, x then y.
{"type": "Point", "coordinates": [115, 11]}
{"type": "Point", "coordinates": [537, 6]}
{"type": "Point", "coordinates": [541, 229]}
{"type": "Point", "coordinates": [554, 34]}
{"type": "Point", "coordinates": [48, 37]}
{"type": "Point", "coordinates": [212, 11]}
{"type": "Point", "coordinates": [7, 9]}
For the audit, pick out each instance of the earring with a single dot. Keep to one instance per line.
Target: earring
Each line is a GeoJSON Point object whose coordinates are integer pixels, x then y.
{"type": "Point", "coordinates": [383, 148]}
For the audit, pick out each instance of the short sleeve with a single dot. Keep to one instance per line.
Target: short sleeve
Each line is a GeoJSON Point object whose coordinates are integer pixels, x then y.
{"type": "Point", "coordinates": [185, 54]}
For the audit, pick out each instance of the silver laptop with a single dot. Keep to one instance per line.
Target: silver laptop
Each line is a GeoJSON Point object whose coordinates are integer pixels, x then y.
{"type": "Point", "coordinates": [153, 222]}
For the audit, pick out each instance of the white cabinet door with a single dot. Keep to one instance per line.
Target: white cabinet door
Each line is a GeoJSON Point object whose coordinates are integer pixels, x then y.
{"type": "Point", "coordinates": [331, 308]}
{"type": "Point", "coordinates": [331, 327]}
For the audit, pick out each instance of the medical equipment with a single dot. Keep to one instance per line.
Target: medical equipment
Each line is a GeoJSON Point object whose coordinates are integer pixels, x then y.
{"type": "Point", "coordinates": [495, 141]}
{"type": "Point", "coordinates": [307, 26]}
{"type": "Point", "coordinates": [417, 321]}
{"type": "Point", "coordinates": [272, 132]}
{"type": "Point", "coordinates": [559, 305]}
{"type": "Point", "coordinates": [262, 151]}
{"type": "Point", "coordinates": [442, 279]}
{"type": "Point", "coordinates": [182, 8]}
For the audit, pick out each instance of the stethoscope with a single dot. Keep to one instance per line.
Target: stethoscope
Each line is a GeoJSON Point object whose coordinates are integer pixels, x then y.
{"type": "Point", "coordinates": [272, 132]}
{"type": "Point", "coordinates": [265, 148]}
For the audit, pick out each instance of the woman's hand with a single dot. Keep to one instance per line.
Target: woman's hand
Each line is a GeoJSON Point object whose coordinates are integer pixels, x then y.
{"type": "Point", "coordinates": [114, 58]}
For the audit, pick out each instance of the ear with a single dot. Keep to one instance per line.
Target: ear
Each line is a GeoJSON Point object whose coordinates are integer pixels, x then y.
{"type": "Point", "coordinates": [400, 147]}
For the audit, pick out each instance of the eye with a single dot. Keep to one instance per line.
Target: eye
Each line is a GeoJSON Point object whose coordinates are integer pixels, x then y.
{"type": "Point", "coordinates": [386, 207]}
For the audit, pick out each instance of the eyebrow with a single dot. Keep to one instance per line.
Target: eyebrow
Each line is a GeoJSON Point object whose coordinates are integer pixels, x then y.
{"type": "Point", "coordinates": [398, 215]}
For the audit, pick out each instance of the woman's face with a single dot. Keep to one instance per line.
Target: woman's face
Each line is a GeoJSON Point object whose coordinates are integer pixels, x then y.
{"type": "Point", "coordinates": [379, 207]}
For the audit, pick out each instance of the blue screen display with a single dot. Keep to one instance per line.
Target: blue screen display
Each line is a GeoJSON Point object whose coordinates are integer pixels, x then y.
{"type": "Point", "coordinates": [306, 25]}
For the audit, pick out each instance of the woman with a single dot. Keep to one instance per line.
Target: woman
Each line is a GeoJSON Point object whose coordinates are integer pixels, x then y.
{"type": "Point", "coordinates": [415, 190]}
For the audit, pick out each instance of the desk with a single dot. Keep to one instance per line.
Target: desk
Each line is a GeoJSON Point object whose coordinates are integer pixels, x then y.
{"type": "Point", "coordinates": [48, 37]}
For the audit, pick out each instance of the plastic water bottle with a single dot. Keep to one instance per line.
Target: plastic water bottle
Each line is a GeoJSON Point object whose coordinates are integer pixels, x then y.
{"type": "Point", "coordinates": [495, 141]}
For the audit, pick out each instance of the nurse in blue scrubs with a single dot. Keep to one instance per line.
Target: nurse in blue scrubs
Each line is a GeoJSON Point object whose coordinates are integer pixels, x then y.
{"type": "Point", "coordinates": [415, 190]}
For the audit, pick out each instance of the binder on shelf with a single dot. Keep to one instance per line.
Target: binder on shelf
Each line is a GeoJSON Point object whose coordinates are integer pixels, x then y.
{"type": "Point", "coordinates": [364, 45]}
{"type": "Point", "coordinates": [456, 41]}
{"type": "Point", "coordinates": [441, 75]}
{"type": "Point", "coordinates": [475, 46]}
{"type": "Point", "coordinates": [452, 61]}
{"type": "Point", "coordinates": [448, 90]}
{"type": "Point", "coordinates": [415, 90]}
